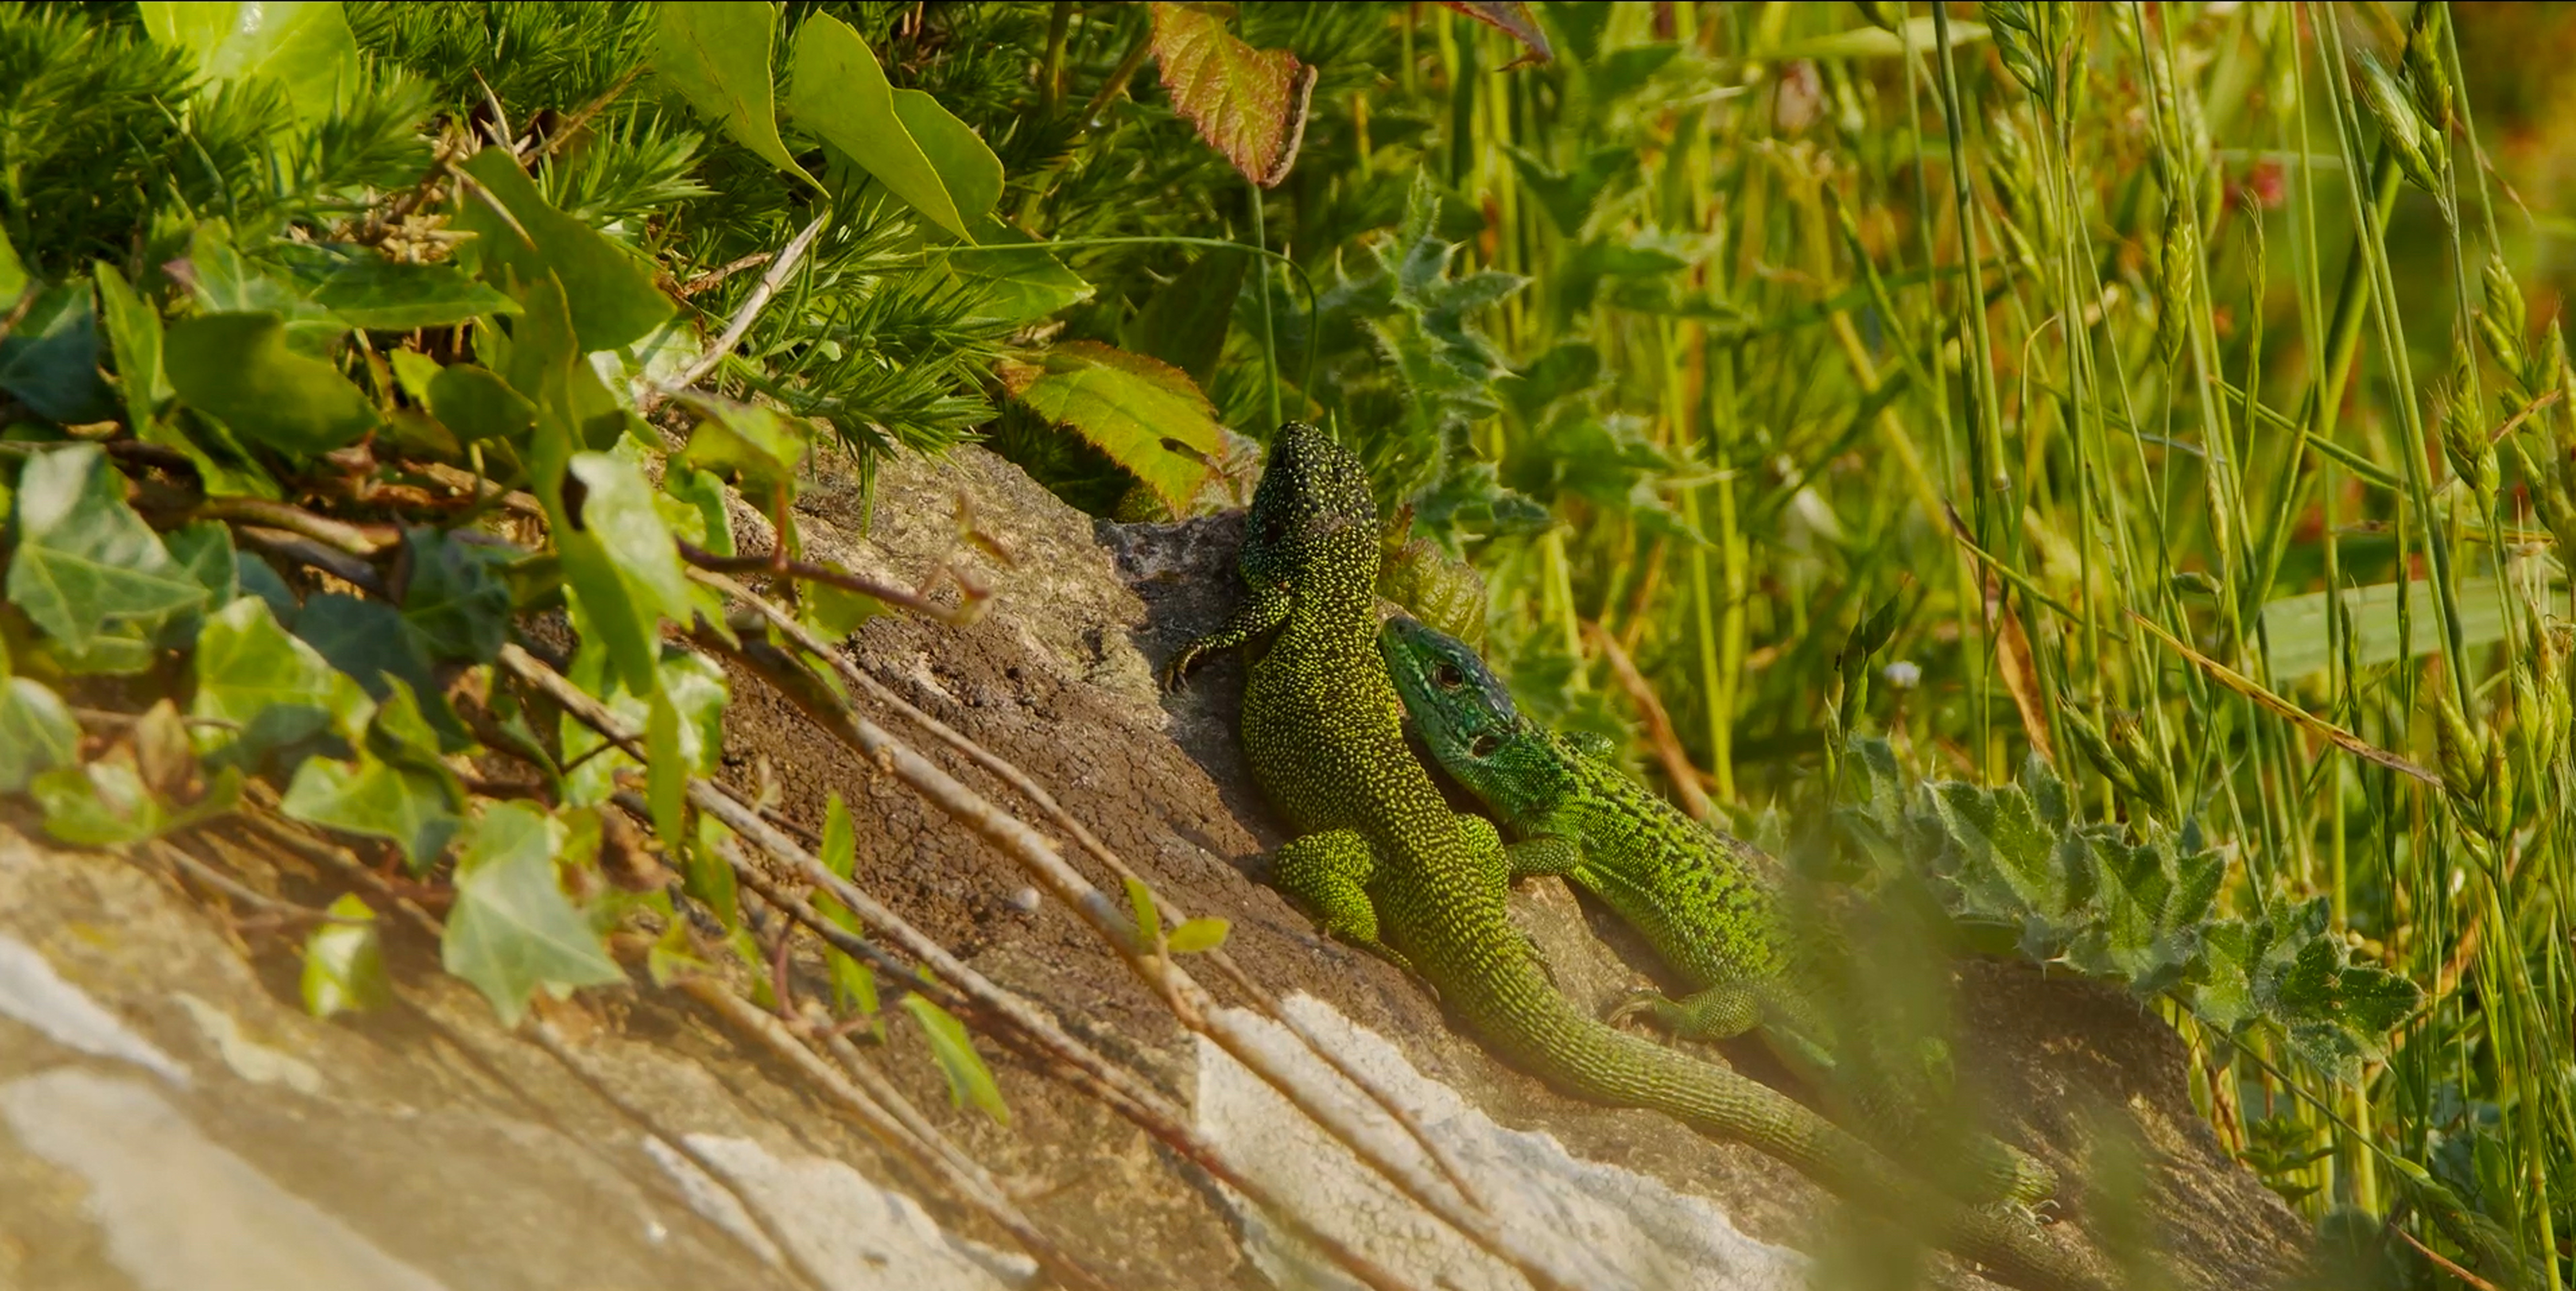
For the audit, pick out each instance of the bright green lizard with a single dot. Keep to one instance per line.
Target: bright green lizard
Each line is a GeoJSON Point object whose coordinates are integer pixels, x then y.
{"type": "Point", "coordinates": [1383, 862]}
{"type": "Point", "coordinates": [1701, 899]}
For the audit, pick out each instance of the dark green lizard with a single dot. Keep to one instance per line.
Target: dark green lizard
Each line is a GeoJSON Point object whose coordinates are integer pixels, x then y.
{"type": "Point", "coordinates": [1706, 902]}
{"type": "Point", "coordinates": [1382, 861]}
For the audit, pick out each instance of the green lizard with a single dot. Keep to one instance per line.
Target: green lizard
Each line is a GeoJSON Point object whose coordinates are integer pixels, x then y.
{"type": "Point", "coordinates": [1700, 898]}
{"type": "Point", "coordinates": [1383, 862]}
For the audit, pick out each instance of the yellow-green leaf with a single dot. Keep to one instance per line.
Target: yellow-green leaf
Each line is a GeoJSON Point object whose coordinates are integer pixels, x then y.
{"type": "Point", "coordinates": [1146, 414]}
{"type": "Point", "coordinates": [717, 55]}
{"type": "Point", "coordinates": [839, 91]}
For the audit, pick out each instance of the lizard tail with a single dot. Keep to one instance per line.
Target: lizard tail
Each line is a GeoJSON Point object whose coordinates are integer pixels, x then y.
{"type": "Point", "coordinates": [1523, 1018]}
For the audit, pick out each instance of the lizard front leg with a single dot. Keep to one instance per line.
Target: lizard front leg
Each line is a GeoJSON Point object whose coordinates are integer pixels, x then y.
{"type": "Point", "coordinates": [1328, 874]}
{"type": "Point", "coordinates": [1266, 607]}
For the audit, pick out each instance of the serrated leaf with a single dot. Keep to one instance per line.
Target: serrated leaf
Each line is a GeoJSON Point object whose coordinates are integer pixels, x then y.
{"type": "Point", "coordinates": [718, 57]}
{"type": "Point", "coordinates": [344, 962]}
{"type": "Point", "coordinates": [237, 367]}
{"type": "Point", "coordinates": [759, 447]}
{"type": "Point", "coordinates": [382, 295]}
{"type": "Point", "coordinates": [37, 732]}
{"type": "Point", "coordinates": [2004, 851]}
{"type": "Point", "coordinates": [608, 291]}
{"type": "Point", "coordinates": [1130, 407]}
{"type": "Point", "coordinates": [275, 690]}
{"type": "Point", "coordinates": [87, 566]}
{"type": "Point", "coordinates": [306, 47]}
{"type": "Point", "coordinates": [1513, 19]}
{"type": "Point", "coordinates": [512, 930]}
{"type": "Point", "coordinates": [412, 808]}
{"type": "Point", "coordinates": [969, 1080]}
{"type": "Point", "coordinates": [453, 597]}
{"type": "Point", "coordinates": [838, 90]}
{"type": "Point", "coordinates": [49, 360]}
{"type": "Point", "coordinates": [1250, 104]}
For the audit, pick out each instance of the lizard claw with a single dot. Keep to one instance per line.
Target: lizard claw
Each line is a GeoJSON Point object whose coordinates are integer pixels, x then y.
{"type": "Point", "coordinates": [1174, 675]}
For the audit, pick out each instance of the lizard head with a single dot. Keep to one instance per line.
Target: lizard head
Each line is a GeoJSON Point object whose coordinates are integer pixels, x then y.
{"type": "Point", "coordinates": [1312, 511]}
{"type": "Point", "coordinates": [1462, 709]}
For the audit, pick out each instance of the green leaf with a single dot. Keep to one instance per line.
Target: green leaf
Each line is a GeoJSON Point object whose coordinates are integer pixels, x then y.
{"type": "Point", "coordinates": [607, 289]}
{"type": "Point", "coordinates": [620, 562]}
{"type": "Point", "coordinates": [382, 295]}
{"type": "Point", "coordinates": [1140, 907]}
{"type": "Point", "coordinates": [204, 549]}
{"type": "Point", "coordinates": [37, 733]}
{"type": "Point", "coordinates": [454, 598]}
{"type": "Point", "coordinates": [134, 337]}
{"type": "Point", "coordinates": [480, 406]}
{"type": "Point", "coordinates": [87, 565]}
{"type": "Point", "coordinates": [372, 642]}
{"type": "Point", "coordinates": [274, 690]}
{"type": "Point", "coordinates": [237, 367]}
{"type": "Point", "coordinates": [513, 930]}
{"type": "Point", "coordinates": [106, 803]}
{"type": "Point", "coordinates": [1014, 277]}
{"type": "Point", "coordinates": [306, 48]}
{"type": "Point", "coordinates": [1872, 42]}
{"type": "Point", "coordinates": [2296, 643]}
{"type": "Point", "coordinates": [1143, 412]}
{"type": "Point", "coordinates": [50, 359]}
{"type": "Point", "coordinates": [704, 494]}
{"type": "Point", "coordinates": [718, 57]}
{"type": "Point", "coordinates": [837, 90]}
{"type": "Point", "coordinates": [2006, 856]}
{"type": "Point", "coordinates": [1250, 104]}
{"type": "Point", "coordinates": [1184, 324]}
{"type": "Point", "coordinates": [344, 962]}
{"type": "Point", "coordinates": [411, 807]}
{"type": "Point", "coordinates": [1195, 936]}
{"type": "Point", "coordinates": [840, 839]}
{"type": "Point", "coordinates": [697, 691]}
{"type": "Point", "coordinates": [834, 611]}
{"type": "Point", "coordinates": [759, 447]}
{"type": "Point", "coordinates": [969, 1080]}
{"type": "Point", "coordinates": [13, 274]}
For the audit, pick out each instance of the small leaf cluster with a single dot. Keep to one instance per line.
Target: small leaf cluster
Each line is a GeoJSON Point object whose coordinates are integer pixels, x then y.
{"type": "Point", "coordinates": [2023, 872]}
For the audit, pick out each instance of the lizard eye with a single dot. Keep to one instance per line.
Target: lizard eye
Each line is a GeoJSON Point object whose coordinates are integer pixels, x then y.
{"type": "Point", "coordinates": [1484, 746]}
{"type": "Point", "coordinates": [1446, 677]}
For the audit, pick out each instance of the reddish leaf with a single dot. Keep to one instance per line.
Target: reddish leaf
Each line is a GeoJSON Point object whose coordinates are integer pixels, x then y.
{"type": "Point", "coordinates": [1250, 103]}
{"type": "Point", "coordinates": [1513, 19]}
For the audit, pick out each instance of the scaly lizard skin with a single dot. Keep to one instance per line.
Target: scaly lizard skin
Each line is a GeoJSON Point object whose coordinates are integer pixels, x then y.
{"type": "Point", "coordinates": [1699, 897]}
{"type": "Point", "coordinates": [1383, 862]}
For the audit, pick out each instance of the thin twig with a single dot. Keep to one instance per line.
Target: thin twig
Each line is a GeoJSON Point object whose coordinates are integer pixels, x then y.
{"type": "Point", "coordinates": [1010, 774]}
{"type": "Point", "coordinates": [1148, 1108]}
{"type": "Point", "coordinates": [770, 282]}
{"type": "Point", "coordinates": [305, 551]}
{"type": "Point", "coordinates": [355, 539]}
{"type": "Point", "coordinates": [968, 609]}
{"type": "Point", "coordinates": [476, 487]}
{"type": "Point", "coordinates": [978, 1194]}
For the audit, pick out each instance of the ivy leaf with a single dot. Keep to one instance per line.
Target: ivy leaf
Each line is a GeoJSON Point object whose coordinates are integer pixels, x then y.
{"type": "Point", "coordinates": [717, 56]}
{"type": "Point", "coordinates": [237, 367]}
{"type": "Point", "coordinates": [87, 566]}
{"type": "Point", "coordinates": [344, 962]}
{"type": "Point", "coordinates": [372, 642]}
{"type": "Point", "coordinates": [513, 930]}
{"type": "Point", "coordinates": [1143, 412]}
{"type": "Point", "coordinates": [608, 290]}
{"type": "Point", "coordinates": [382, 295]}
{"type": "Point", "coordinates": [453, 599]}
{"type": "Point", "coordinates": [1249, 103]}
{"type": "Point", "coordinates": [49, 360]}
{"type": "Point", "coordinates": [760, 447]}
{"type": "Point", "coordinates": [837, 89]}
{"type": "Point", "coordinates": [307, 49]}
{"type": "Point", "coordinates": [619, 560]}
{"type": "Point", "coordinates": [697, 691]}
{"type": "Point", "coordinates": [413, 808]}
{"type": "Point", "coordinates": [37, 733]}
{"type": "Point", "coordinates": [275, 690]}
{"type": "Point", "coordinates": [106, 802]}
{"type": "Point", "coordinates": [969, 1080]}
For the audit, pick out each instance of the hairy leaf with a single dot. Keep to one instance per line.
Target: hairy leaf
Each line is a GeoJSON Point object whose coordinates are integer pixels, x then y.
{"type": "Point", "coordinates": [1144, 413]}
{"type": "Point", "coordinates": [1249, 103]}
